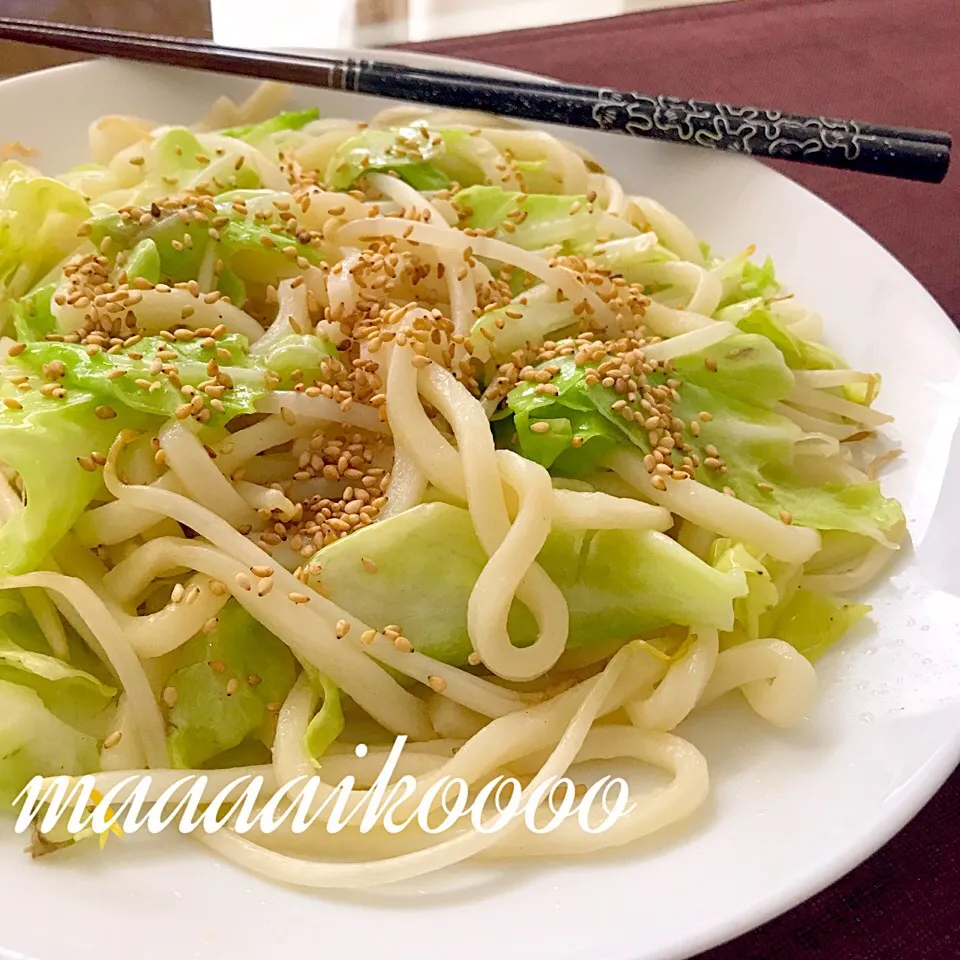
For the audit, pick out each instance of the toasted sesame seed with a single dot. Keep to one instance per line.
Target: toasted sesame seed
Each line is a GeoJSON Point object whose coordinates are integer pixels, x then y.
{"type": "Point", "coordinates": [176, 594]}
{"type": "Point", "coordinates": [298, 598]}
{"type": "Point", "coordinates": [87, 463]}
{"type": "Point", "coordinates": [254, 680]}
{"type": "Point", "coordinates": [541, 426]}
{"type": "Point", "coordinates": [368, 636]}
{"type": "Point", "coordinates": [169, 696]}
{"type": "Point", "coordinates": [233, 685]}
{"type": "Point", "coordinates": [112, 740]}
{"type": "Point", "coordinates": [474, 659]}
{"type": "Point", "coordinates": [262, 571]}
{"type": "Point", "coordinates": [217, 666]}
{"type": "Point", "coordinates": [210, 625]}
{"type": "Point", "coordinates": [343, 628]}
{"type": "Point", "coordinates": [436, 684]}
{"type": "Point", "coordinates": [368, 565]}
{"type": "Point", "coordinates": [192, 595]}
{"type": "Point", "coordinates": [786, 517]}
{"type": "Point", "coordinates": [105, 413]}
{"type": "Point", "coordinates": [403, 645]}
{"type": "Point", "coordinates": [264, 586]}
{"type": "Point", "coordinates": [16, 349]}
{"type": "Point", "coordinates": [218, 588]}
{"type": "Point", "coordinates": [12, 404]}
{"type": "Point", "coordinates": [243, 581]}
{"type": "Point", "coordinates": [705, 416]}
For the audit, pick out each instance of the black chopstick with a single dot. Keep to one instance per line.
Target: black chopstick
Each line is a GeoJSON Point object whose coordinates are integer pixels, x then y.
{"type": "Point", "coordinates": [897, 152]}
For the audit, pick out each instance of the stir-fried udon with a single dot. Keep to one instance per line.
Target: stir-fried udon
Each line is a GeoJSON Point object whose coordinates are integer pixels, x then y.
{"type": "Point", "coordinates": [318, 433]}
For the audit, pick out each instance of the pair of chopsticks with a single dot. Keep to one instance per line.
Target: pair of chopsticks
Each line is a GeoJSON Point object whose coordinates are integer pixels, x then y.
{"type": "Point", "coordinates": [897, 152]}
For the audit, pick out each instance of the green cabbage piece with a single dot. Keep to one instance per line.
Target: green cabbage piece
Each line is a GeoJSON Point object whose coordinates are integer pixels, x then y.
{"type": "Point", "coordinates": [71, 693]}
{"type": "Point", "coordinates": [404, 151]}
{"type": "Point", "coordinates": [758, 444]}
{"type": "Point", "coordinates": [754, 316]}
{"type": "Point", "coordinates": [328, 723]}
{"type": "Point", "coordinates": [548, 221]}
{"type": "Point", "coordinates": [777, 606]}
{"type": "Point", "coordinates": [42, 442]}
{"type": "Point", "coordinates": [752, 281]}
{"type": "Point", "coordinates": [299, 351]}
{"type": "Point", "coordinates": [175, 163]}
{"type": "Point", "coordinates": [144, 262]}
{"type": "Point", "coordinates": [32, 316]}
{"type": "Point", "coordinates": [763, 595]}
{"type": "Point", "coordinates": [90, 374]}
{"type": "Point", "coordinates": [618, 583]}
{"type": "Point", "coordinates": [573, 412]}
{"type": "Point", "coordinates": [537, 318]}
{"type": "Point", "coordinates": [207, 720]}
{"type": "Point", "coordinates": [35, 742]}
{"type": "Point", "coordinates": [39, 219]}
{"type": "Point", "coordinates": [813, 622]}
{"type": "Point", "coordinates": [254, 133]}
{"type": "Point", "coordinates": [241, 247]}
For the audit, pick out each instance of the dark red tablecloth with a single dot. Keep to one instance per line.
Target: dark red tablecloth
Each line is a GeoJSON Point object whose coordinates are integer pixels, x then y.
{"type": "Point", "coordinates": [894, 61]}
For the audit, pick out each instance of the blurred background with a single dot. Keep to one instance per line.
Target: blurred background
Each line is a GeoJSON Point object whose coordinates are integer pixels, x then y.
{"type": "Point", "coordinates": [315, 23]}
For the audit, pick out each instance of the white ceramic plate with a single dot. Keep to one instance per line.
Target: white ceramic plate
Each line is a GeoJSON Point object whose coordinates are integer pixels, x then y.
{"type": "Point", "coordinates": [788, 813]}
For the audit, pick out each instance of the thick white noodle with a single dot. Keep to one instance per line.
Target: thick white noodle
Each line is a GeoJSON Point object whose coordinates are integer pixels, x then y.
{"type": "Point", "coordinates": [723, 515]}
{"type": "Point", "coordinates": [701, 290]}
{"type": "Point", "coordinates": [677, 694]}
{"type": "Point", "coordinates": [407, 484]}
{"type": "Point", "coordinates": [871, 566]}
{"type": "Point", "coordinates": [777, 681]}
{"type": "Point", "coordinates": [155, 310]}
{"type": "Point", "coordinates": [690, 342]}
{"type": "Point", "coordinates": [265, 498]}
{"type": "Point", "coordinates": [812, 399]}
{"type": "Point", "coordinates": [317, 409]}
{"type": "Point", "coordinates": [193, 467]}
{"type": "Point", "coordinates": [463, 292]}
{"type": "Point", "coordinates": [509, 565]}
{"type": "Point", "coordinates": [117, 522]}
{"type": "Point", "coordinates": [666, 321]}
{"type": "Point", "coordinates": [644, 212]}
{"type": "Point", "coordinates": [245, 444]}
{"type": "Point", "coordinates": [512, 566]}
{"type": "Point", "coordinates": [493, 746]}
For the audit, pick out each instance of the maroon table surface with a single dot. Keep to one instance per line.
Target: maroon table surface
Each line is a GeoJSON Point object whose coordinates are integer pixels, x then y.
{"type": "Point", "coordinates": [892, 61]}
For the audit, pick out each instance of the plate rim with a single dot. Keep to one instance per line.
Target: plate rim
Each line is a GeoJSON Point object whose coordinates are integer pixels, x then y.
{"type": "Point", "coordinates": [941, 764]}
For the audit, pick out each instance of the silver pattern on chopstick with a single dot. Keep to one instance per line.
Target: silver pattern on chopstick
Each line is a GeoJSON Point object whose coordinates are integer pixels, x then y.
{"type": "Point", "coordinates": [750, 130]}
